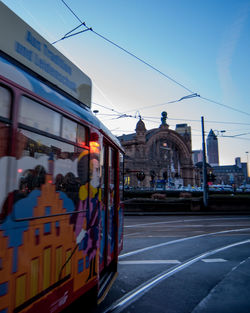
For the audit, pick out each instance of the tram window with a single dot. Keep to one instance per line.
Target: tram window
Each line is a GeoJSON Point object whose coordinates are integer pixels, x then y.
{"type": "Point", "coordinates": [121, 178]}
{"type": "Point", "coordinates": [102, 168]}
{"type": "Point", "coordinates": [38, 116]}
{"type": "Point", "coordinates": [39, 156]}
{"type": "Point", "coordinates": [111, 205]}
{"type": "Point", "coordinates": [5, 105]}
{"type": "Point", "coordinates": [81, 136]}
{"type": "Point", "coordinates": [111, 177]}
{"type": "Point", "coordinates": [112, 166]}
{"type": "Point", "coordinates": [5, 102]}
{"type": "Point", "coordinates": [103, 174]}
{"type": "Point", "coordinates": [69, 129]}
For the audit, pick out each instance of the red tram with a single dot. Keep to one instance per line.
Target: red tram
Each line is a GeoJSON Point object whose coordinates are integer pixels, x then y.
{"type": "Point", "coordinates": [60, 213]}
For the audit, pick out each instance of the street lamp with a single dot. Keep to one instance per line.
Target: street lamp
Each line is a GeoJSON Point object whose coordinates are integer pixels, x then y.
{"type": "Point", "coordinates": [220, 132]}
{"type": "Point", "coordinates": [167, 157]}
{"type": "Point", "coordinates": [247, 166]}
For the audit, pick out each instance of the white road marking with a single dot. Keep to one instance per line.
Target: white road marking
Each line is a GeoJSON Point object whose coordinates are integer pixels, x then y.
{"type": "Point", "coordinates": [188, 220]}
{"type": "Point", "coordinates": [213, 260]}
{"type": "Point", "coordinates": [142, 262]}
{"type": "Point", "coordinates": [135, 294]}
{"type": "Point", "coordinates": [131, 234]}
{"type": "Point", "coordinates": [179, 240]}
{"type": "Point", "coordinates": [193, 226]}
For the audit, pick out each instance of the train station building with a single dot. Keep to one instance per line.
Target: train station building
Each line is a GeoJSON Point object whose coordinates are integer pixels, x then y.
{"type": "Point", "coordinates": [158, 157]}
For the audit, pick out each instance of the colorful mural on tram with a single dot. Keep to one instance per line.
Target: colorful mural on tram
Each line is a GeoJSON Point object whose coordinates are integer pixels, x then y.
{"type": "Point", "coordinates": [61, 218]}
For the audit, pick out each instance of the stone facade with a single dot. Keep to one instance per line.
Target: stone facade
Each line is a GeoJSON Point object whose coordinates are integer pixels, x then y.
{"type": "Point", "coordinates": [159, 155]}
{"type": "Point", "coordinates": [236, 174]}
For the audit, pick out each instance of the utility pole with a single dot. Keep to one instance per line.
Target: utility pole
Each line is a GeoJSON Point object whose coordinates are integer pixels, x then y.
{"type": "Point", "coordinates": [205, 187]}
{"type": "Point", "coordinates": [247, 168]}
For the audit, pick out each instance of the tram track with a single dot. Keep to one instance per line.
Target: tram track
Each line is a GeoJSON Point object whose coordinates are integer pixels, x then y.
{"type": "Point", "coordinates": [160, 272]}
{"type": "Point", "coordinates": [132, 296]}
{"type": "Point", "coordinates": [122, 256]}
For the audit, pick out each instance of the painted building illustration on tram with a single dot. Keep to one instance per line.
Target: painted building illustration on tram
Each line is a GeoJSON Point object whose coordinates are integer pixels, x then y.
{"type": "Point", "coordinates": [61, 217]}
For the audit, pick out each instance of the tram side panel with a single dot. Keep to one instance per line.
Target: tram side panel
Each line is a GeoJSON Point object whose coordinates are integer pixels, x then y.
{"type": "Point", "coordinates": [49, 234]}
{"type": "Point", "coordinates": [120, 187]}
{"type": "Point", "coordinates": [51, 203]}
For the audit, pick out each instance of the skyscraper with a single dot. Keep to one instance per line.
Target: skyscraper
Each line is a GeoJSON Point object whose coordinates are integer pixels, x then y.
{"type": "Point", "coordinates": [212, 149]}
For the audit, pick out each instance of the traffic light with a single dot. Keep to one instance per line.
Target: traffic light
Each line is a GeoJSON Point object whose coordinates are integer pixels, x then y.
{"type": "Point", "coordinates": [211, 177]}
{"type": "Point", "coordinates": [140, 176]}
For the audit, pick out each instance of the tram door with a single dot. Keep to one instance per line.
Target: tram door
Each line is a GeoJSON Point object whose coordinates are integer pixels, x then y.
{"type": "Point", "coordinates": [111, 238]}
{"type": "Point", "coordinates": [108, 216]}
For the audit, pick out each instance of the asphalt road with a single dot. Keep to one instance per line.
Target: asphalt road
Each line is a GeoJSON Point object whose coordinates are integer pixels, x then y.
{"type": "Point", "coordinates": [182, 264]}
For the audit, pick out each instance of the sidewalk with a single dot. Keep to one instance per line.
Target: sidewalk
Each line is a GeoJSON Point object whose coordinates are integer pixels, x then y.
{"type": "Point", "coordinates": [231, 295]}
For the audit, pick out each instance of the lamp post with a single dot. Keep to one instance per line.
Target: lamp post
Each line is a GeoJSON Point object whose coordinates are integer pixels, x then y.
{"type": "Point", "coordinates": [247, 167]}
{"type": "Point", "coordinates": [167, 157]}
{"type": "Point", "coordinates": [220, 132]}
{"type": "Point", "coordinates": [205, 188]}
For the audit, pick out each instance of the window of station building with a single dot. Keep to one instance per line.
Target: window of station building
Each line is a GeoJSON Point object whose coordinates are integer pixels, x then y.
{"type": "Point", "coordinates": [35, 115]}
{"type": "Point", "coordinates": [5, 102]}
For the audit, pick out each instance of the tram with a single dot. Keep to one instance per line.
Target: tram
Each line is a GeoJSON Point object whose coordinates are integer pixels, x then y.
{"type": "Point", "coordinates": [61, 217]}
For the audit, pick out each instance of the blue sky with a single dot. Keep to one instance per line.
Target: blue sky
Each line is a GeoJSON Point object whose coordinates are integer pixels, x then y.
{"type": "Point", "coordinates": [203, 45]}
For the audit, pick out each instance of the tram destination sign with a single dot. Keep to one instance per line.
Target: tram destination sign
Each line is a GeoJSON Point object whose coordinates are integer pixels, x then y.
{"type": "Point", "coordinates": [24, 44]}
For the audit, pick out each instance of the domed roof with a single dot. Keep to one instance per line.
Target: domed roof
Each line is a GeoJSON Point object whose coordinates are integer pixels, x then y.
{"type": "Point", "coordinates": [140, 126]}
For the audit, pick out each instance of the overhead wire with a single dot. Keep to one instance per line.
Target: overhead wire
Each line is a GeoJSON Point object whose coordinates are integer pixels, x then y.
{"type": "Point", "coordinates": [79, 20]}
{"type": "Point", "coordinates": [194, 120]}
{"type": "Point", "coordinates": [102, 106]}
{"type": "Point", "coordinates": [70, 35]}
{"type": "Point", "coordinates": [126, 51]}
{"type": "Point", "coordinates": [169, 102]}
{"type": "Point", "coordinates": [169, 118]}
{"type": "Point", "coordinates": [173, 119]}
{"type": "Point", "coordinates": [237, 136]}
{"type": "Point", "coordinates": [141, 60]}
{"type": "Point", "coordinates": [225, 105]}
{"type": "Point", "coordinates": [149, 65]}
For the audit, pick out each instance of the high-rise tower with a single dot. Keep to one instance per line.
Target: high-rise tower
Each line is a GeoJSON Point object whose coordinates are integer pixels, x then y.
{"type": "Point", "coordinates": [212, 149]}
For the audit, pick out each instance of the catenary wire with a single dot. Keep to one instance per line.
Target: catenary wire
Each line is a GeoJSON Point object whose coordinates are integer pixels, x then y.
{"type": "Point", "coordinates": [67, 36]}
{"type": "Point", "coordinates": [151, 66]}
{"type": "Point", "coordinates": [126, 51]}
{"type": "Point", "coordinates": [174, 119]}
{"type": "Point", "coordinates": [225, 105]}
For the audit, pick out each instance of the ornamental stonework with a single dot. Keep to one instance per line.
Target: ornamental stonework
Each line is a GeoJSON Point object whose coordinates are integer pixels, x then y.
{"type": "Point", "coordinates": [159, 156]}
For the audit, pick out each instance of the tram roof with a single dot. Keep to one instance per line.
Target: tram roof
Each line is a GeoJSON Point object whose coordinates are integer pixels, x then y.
{"type": "Point", "coordinates": [24, 44]}
{"type": "Point", "coordinates": [26, 80]}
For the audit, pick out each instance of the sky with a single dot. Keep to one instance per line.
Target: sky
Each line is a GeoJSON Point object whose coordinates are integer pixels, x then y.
{"type": "Point", "coordinates": [170, 50]}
